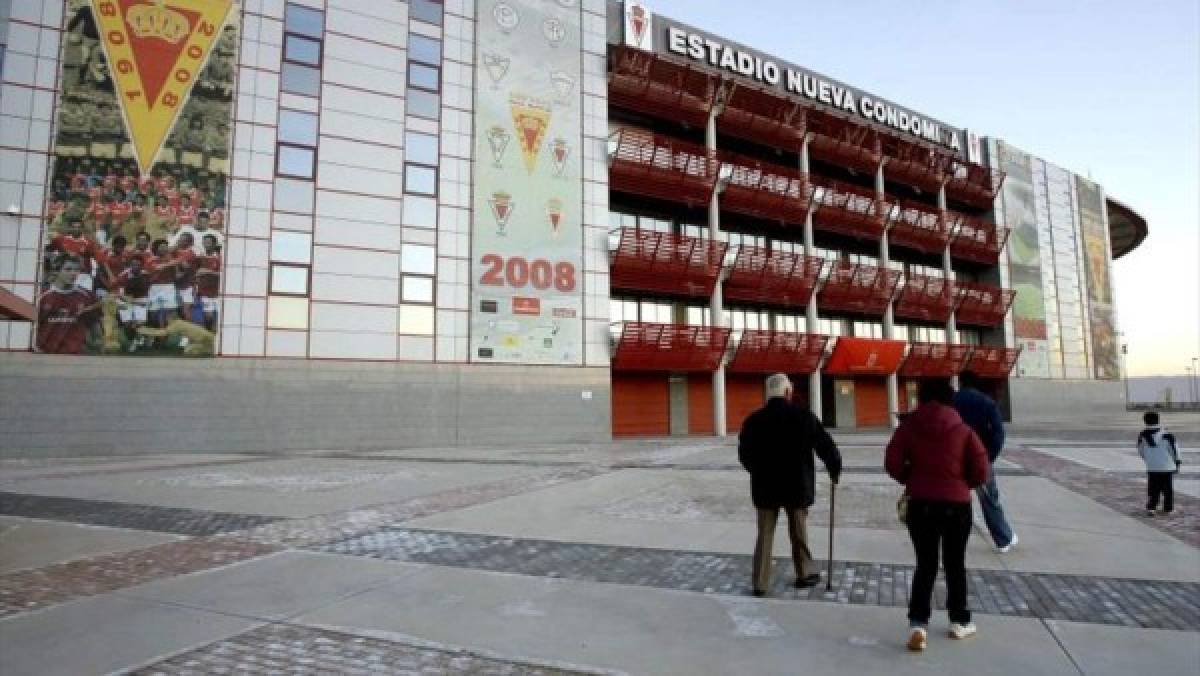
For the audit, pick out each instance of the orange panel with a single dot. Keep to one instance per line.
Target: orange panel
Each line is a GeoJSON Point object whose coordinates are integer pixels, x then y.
{"type": "Point", "coordinates": [865, 356]}
{"type": "Point", "coordinates": [700, 404]}
{"type": "Point", "coordinates": [870, 402]}
{"type": "Point", "coordinates": [641, 404]}
{"type": "Point", "coordinates": [743, 396]}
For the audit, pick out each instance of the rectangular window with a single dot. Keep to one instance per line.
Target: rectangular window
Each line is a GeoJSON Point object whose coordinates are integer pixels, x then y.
{"type": "Point", "coordinates": [289, 279]}
{"type": "Point", "coordinates": [291, 247]}
{"type": "Point", "coordinates": [420, 148]}
{"type": "Point", "coordinates": [417, 289]}
{"type": "Point", "coordinates": [297, 127]}
{"type": "Point", "coordinates": [420, 179]}
{"type": "Point", "coordinates": [301, 50]}
{"type": "Point", "coordinates": [304, 20]}
{"type": "Point", "coordinates": [420, 260]}
{"type": "Point", "coordinates": [424, 50]}
{"type": "Point", "coordinates": [287, 312]}
{"type": "Point", "coordinates": [416, 320]}
{"type": "Point", "coordinates": [428, 11]}
{"type": "Point", "coordinates": [423, 104]}
{"type": "Point", "coordinates": [424, 77]}
{"type": "Point", "coordinates": [420, 212]}
{"type": "Point", "coordinates": [295, 161]}
{"type": "Point", "coordinates": [298, 79]}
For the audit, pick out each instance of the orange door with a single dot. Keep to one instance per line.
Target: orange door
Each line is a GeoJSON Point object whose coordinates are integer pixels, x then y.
{"type": "Point", "coordinates": [743, 396]}
{"type": "Point", "coordinates": [700, 404]}
{"type": "Point", "coordinates": [870, 402]}
{"type": "Point", "coordinates": [641, 404]}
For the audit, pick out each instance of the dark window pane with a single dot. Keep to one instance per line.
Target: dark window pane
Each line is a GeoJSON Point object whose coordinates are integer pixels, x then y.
{"type": "Point", "coordinates": [426, 10]}
{"type": "Point", "coordinates": [304, 20]}
{"type": "Point", "coordinates": [424, 50]}
{"type": "Point", "coordinates": [424, 77]}
{"type": "Point", "coordinates": [420, 148]}
{"type": "Point", "coordinates": [288, 279]}
{"type": "Point", "coordinates": [297, 127]}
{"type": "Point", "coordinates": [420, 180]}
{"type": "Point", "coordinates": [423, 104]}
{"type": "Point", "coordinates": [295, 161]}
{"type": "Point", "coordinates": [299, 79]}
{"type": "Point", "coordinates": [296, 48]}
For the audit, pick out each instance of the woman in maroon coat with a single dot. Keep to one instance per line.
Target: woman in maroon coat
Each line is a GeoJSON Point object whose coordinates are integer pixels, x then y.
{"type": "Point", "coordinates": [939, 459]}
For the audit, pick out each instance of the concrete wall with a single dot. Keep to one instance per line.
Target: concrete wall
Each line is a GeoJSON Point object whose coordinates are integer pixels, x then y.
{"type": "Point", "coordinates": [62, 406]}
{"type": "Point", "coordinates": [1037, 400]}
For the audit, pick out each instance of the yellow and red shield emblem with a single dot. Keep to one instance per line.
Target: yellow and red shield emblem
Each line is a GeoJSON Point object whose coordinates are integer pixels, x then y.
{"type": "Point", "coordinates": [156, 50]}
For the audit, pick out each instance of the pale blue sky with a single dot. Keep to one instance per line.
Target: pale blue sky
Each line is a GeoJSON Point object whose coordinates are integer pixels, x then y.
{"type": "Point", "coordinates": [1104, 88]}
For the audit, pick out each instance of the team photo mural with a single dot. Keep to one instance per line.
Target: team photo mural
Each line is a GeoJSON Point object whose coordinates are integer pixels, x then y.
{"type": "Point", "coordinates": [136, 212]}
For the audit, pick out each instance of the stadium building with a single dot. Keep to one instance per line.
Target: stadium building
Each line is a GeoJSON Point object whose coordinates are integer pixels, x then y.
{"type": "Point", "coordinates": [347, 224]}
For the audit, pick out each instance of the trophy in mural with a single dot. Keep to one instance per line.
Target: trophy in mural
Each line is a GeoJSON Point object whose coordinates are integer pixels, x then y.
{"type": "Point", "coordinates": [502, 208]}
{"type": "Point", "coordinates": [506, 17]}
{"type": "Point", "coordinates": [496, 67]}
{"type": "Point", "coordinates": [554, 32]}
{"type": "Point", "coordinates": [498, 138]}
{"type": "Point", "coordinates": [554, 211]}
{"type": "Point", "coordinates": [531, 118]}
{"type": "Point", "coordinates": [638, 20]}
{"type": "Point", "coordinates": [559, 151]}
{"type": "Point", "coordinates": [563, 85]}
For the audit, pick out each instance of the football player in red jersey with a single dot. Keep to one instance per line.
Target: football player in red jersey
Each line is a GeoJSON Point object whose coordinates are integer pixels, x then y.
{"type": "Point", "coordinates": [163, 301]}
{"type": "Point", "coordinates": [185, 273]}
{"type": "Point", "coordinates": [134, 288]}
{"type": "Point", "coordinates": [74, 243]}
{"type": "Point", "coordinates": [65, 312]}
{"type": "Point", "coordinates": [208, 280]}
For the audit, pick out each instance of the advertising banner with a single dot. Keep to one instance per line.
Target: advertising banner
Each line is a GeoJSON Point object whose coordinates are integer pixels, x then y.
{"type": "Point", "coordinates": [135, 215]}
{"type": "Point", "coordinates": [527, 234]}
{"type": "Point", "coordinates": [1099, 286]}
{"type": "Point", "coordinates": [1025, 262]}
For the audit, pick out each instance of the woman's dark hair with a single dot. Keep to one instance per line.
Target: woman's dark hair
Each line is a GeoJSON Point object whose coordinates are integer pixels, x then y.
{"type": "Point", "coordinates": [936, 389]}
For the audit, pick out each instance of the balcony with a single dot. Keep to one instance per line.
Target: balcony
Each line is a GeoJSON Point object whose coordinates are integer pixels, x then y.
{"type": "Point", "coordinates": [973, 184]}
{"type": "Point", "coordinates": [846, 209]}
{"type": "Point", "coordinates": [977, 240]}
{"type": "Point", "coordinates": [982, 304]}
{"type": "Point", "coordinates": [669, 347]}
{"type": "Point", "coordinates": [665, 263]}
{"type": "Point", "coordinates": [763, 190]}
{"type": "Point", "coordinates": [914, 163]}
{"type": "Point", "coordinates": [864, 357]}
{"type": "Point", "coordinates": [778, 352]}
{"type": "Point", "coordinates": [926, 299]}
{"type": "Point", "coordinates": [642, 163]}
{"type": "Point", "coordinates": [763, 117]}
{"type": "Point", "coordinates": [665, 88]}
{"type": "Point", "coordinates": [841, 141]}
{"type": "Point", "coordinates": [917, 226]}
{"type": "Point", "coordinates": [934, 360]}
{"type": "Point", "coordinates": [993, 362]}
{"type": "Point", "coordinates": [858, 288]}
{"type": "Point", "coordinates": [772, 277]}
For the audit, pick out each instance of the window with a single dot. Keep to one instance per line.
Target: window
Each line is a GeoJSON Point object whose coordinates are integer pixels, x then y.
{"type": "Point", "coordinates": [291, 247]}
{"type": "Point", "coordinates": [420, 179]}
{"type": "Point", "coordinates": [301, 50]}
{"type": "Point", "coordinates": [424, 77]}
{"type": "Point", "coordinates": [421, 148]}
{"type": "Point", "coordinates": [428, 11]}
{"type": "Point", "coordinates": [295, 161]}
{"type": "Point", "coordinates": [287, 312]}
{"type": "Point", "coordinates": [304, 21]}
{"type": "Point", "coordinates": [289, 279]}
{"type": "Point", "coordinates": [416, 320]}
{"type": "Point", "coordinates": [424, 50]}
{"type": "Point", "coordinates": [697, 315]}
{"type": "Point", "coordinates": [420, 212]}
{"type": "Point", "coordinates": [419, 260]}
{"type": "Point", "coordinates": [417, 289]}
{"type": "Point", "coordinates": [423, 104]}
{"type": "Point", "coordinates": [297, 79]}
{"type": "Point", "coordinates": [297, 127]}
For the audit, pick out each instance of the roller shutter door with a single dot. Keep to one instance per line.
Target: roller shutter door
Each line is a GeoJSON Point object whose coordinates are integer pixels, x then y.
{"type": "Point", "coordinates": [870, 402]}
{"type": "Point", "coordinates": [743, 396]}
{"type": "Point", "coordinates": [641, 404]}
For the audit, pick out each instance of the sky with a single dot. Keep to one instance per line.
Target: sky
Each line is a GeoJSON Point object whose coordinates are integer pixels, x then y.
{"type": "Point", "coordinates": [1105, 88]}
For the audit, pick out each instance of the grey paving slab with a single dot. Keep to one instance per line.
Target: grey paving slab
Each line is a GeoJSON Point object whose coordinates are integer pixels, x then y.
{"type": "Point", "coordinates": [272, 587]}
{"type": "Point", "coordinates": [12, 469]}
{"type": "Point", "coordinates": [1110, 651]}
{"type": "Point", "coordinates": [103, 634]}
{"type": "Point", "coordinates": [127, 515]}
{"type": "Point", "coordinates": [33, 543]}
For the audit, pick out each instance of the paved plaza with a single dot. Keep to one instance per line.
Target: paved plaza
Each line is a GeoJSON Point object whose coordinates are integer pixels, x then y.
{"type": "Point", "coordinates": [629, 557]}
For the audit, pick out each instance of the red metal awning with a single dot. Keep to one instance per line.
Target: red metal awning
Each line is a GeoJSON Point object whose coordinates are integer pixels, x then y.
{"type": "Point", "coordinates": [662, 167]}
{"type": "Point", "coordinates": [764, 117]}
{"type": "Point", "coordinates": [669, 347]}
{"type": "Point", "coordinates": [976, 240]}
{"type": "Point", "coordinates": [926, 298]}
{"type": "Point", "coordinates": [778, 352]}
{"type": "Point", "coordinates": [764, 190]}
{"type": "Point", "coordinates": [973, 184]}
{"type": "Point", "coordinates": [934, 360]}
{"type": "Point", "coordinates": [865, 357]}
{"type": "Point", "coordinates": [772, 277]}
{"type": "Point", "coordinates": [13, 306]}
{"type": "Point", "coordinates": [840, 140]}
{"type": "Point", "coordinates": [914, 163]}
{"type": "Point", "coordinates": [993, 362]}
{"type": "Point", "coordinates": [982, 304]}
{"type": "Point", "coordinates": [666, 263]}
{"type": "Point", "coordinates": [651, 83]}
{"type": "Point", "coordinates": [917, 226]}
{"type": "Point", "coordinates": [846, 209]}
{"type": "Point", "coordinates": [858, 288]}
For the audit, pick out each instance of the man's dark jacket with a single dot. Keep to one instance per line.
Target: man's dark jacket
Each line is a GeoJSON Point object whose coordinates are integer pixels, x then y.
{"type": "Point", "coordinates": [982, 415]}
{"type": "Point", "coordinates": [776, 447]}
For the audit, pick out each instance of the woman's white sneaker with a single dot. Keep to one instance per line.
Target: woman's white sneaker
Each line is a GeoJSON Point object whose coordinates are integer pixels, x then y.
{"type": "Point", "coordinates": [961, 631]}
{"type": "Point", "coordinates": [916, 638]}
{"type": "Point", "coordinates": [1008, 547]}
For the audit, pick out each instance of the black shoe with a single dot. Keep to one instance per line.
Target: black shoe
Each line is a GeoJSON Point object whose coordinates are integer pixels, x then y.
{"type": "Point", "coordinates": [808, 581]}
{"type": "Point", "coordinates": [758, 592]}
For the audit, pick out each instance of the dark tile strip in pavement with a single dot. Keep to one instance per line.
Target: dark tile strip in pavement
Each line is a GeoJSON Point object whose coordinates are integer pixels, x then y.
{"type": "Point", "coordinates": [1124, 492]}
{"type": "Point", "coordinates": [177, 520]}
{"type": "Point", "coordinates": [1078, 598]}
{"type": "Point", "coordinates": [292, 649]}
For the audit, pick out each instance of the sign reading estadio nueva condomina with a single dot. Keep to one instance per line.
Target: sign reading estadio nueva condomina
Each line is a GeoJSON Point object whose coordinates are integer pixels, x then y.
{"type": "Point", "coordinates": [679, 40]}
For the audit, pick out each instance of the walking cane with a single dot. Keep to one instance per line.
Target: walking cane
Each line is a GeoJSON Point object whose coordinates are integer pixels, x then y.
{"type": "Point", "coordinates": [832, 502]}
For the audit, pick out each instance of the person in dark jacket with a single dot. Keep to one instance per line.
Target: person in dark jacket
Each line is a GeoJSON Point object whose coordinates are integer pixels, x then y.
{"type": "Point", "coordinates": [776, 447]}
{"type": "Point", "coordinates": [983, 415]}
{"type": "Point", "coordinates": [939, 459]}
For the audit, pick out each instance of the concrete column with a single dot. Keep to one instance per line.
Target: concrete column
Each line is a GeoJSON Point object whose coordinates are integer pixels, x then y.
{"type": "Point", "coordinates": [947, 265]}
{"type": "Point", "coordinates": [893, 385]}
{"type": "Point", "coordinates": [716, 306]}
{"type": "Point", "coordinates": [810, 311]}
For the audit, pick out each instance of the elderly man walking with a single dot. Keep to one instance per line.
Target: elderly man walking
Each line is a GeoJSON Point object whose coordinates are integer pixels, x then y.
{"type": "Point", "coordinates": [776, 447]}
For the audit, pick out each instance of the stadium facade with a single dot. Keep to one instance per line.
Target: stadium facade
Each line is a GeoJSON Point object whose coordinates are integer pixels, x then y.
{"type": "Point", "coordinates": [337, 223]}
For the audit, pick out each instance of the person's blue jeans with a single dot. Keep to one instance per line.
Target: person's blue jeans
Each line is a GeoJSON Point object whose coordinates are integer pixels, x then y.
{"type": "Point", "coordinates": [993, 511]}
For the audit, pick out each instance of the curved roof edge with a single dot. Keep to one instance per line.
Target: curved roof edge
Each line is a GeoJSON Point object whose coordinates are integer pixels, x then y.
{"type": "Point", "coordinates": [1126, 228]}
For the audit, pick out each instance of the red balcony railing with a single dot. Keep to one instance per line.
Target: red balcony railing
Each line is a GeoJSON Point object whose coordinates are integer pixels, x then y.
{"type": "Point", "coordinates": [666, 263]}
{"type": "Point", "coordinates": [772, 277]}
{"type": "Point", "coordinates": [839, 140]}
{"type": "Point", "coordinates": [764, 190]}
{"type": "Point", "coordinates": [778, 352]}
{"type": "Point", "coordinates": [858, 288]}
{"type": "Point", "coordinates": [846, 209]}
{"type": "Point", "coordinates": [761, 116]}
{"type": "Point", "coordinates": [913, 163]}
{"type": "Point", "coordinates": [650, 83]}
{"type": "Point", "coordinates": [993, 362]}
{"type": "Point", "coordinates": [657, 166]}
{"type": "Point", "coordinates": [934, 360]}
{"type": "Point", "coordinates": [926, 298]}
{"type": "Point", "coordinates": [976, 240]}
{"type": "Point", "coordinates": [917, 226]}
{"type": "Point", "coordinates": [973, 183]}
{"type": "Point", "coordinates": [982, 304]}
{"type": "Point", "coordinates": [669, 347]}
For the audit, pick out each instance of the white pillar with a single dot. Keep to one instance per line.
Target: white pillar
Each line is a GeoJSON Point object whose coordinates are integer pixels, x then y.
{"type": "Point", "coordinates": [947, 272]}
{"type": "Point", "coordinates": [715, 303]}
{"type": "Point", "coordinates": [893, 387]}
{"type": "Point", "coordinates": [810, 310]}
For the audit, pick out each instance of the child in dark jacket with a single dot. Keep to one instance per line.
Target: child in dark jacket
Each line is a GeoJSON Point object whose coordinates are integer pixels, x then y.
{"type": "Point", "coordinates": [1161, 455]}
